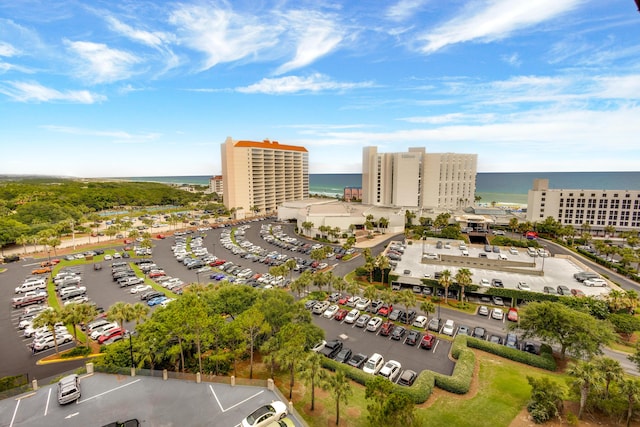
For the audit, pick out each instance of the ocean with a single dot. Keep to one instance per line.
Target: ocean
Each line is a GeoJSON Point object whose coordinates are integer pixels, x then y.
{"type": "Point", "coordinates": [503, 187]}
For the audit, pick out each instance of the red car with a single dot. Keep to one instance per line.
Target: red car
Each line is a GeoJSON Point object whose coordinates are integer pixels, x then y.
{"type": "Point", "coordinates": [157, 273]}
{"type": "Point", "coordinates": [386, 328]}
{"type": "Point", "coordinates": [113, 333]}
{"type": "Point", "coordinates": [160, 236]}
{"type": "Point", "coordinates": [341, 314]}
{"type": "Point", "coordinates": [343, 300]}
{"type": "Point", "coordinates": [512, 314]}
{"type": "Point", "coordinates": [385, 310]}
{"type": "Point", "coordinates": [217, 262]}
{"type": "Point", "coordinates": [427, 341]}
{"type": "Point", "coordinates": [577, 293]}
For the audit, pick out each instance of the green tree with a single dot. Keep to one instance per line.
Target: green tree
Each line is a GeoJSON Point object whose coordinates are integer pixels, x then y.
{"type": "Point", "coordinates": [463, 278]}
{"type": "Point", "coordinates": [252, 324]}
{"type": "Point", "coordinates": [610, 370]}
{"type": "Point", "coordinates": [120, 312]}
{"type": "Point", "coordinates": [312, 373]}
{"type": "Point", "coordinates": [445, 281]}
{"type": "Point", "coordinates": [139, 312]}
{"type": "Point", "coordinates": [293, 343]}
{"type": "Point", "coordinates": [585, 375]}
{"type": "Point", "coordinates": [407, 299]}
{"type": "Point", "coordinates": [49, 319]}
{"type": "Point", "coordinates": [340, 388]}
{"type": "Point", "coordinates": [427, 307]}
{"type": "Point", "coordinates": [630, 389]}
{"type": "Point", "coordinates": [546, 399]}
{"type": "Point", "coordinates": [575, 331]}
{"type": "Point", "coordinates": [382, 263]}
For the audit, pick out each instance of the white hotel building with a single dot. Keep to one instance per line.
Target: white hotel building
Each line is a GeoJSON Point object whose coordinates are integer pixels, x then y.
{"type": "Point", "coordinates": [259, 176]}
{"type": "Point", "coordinates": [598, 208]}
{"type": "Point", "coordinates": [418, 180]}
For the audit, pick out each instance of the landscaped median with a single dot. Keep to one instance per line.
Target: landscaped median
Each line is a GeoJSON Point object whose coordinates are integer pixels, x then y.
{"type": "Point", "coordinates": [459, 382]}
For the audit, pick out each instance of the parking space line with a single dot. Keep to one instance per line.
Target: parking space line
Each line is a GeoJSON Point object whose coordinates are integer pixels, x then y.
{"type": "Point", "coordinates": [46, 407]}
{"type": "Point", "coordinates": [232, 406]}
{"type": "Point", "coordinates": [435, 346]}
{"type": "Point", "coordinates": [108, 391]}
{"type": "Point", "coordinates": [15, 412]}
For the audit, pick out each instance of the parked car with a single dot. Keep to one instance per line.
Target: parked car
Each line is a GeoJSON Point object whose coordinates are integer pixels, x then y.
{"type": "Point", "coordinates": [420, 322]}
{"type": "Point", "coordinates": [483, 310]}
{"type": "Point", "coordinates": [435, 324]}
{"type": "Point", "coordinates": [512, 314]}
{"type": "Point", "coordinates": [358, 360]}
{"type": "Point", "coordinates": [68, 389]}
{"type": "Point", "coordinates": [374, 364]}
{"type": "Point", "coordinates": [523, 286]}
{"type": "Point", "coordinates": [352, 316]}
{"type": "Point", "coordinates": [497, 314]}
{"type": "Point", "coordinates": [391, 370]}
{"type": "Point", "coordinates": [374, 324]}
{"type": "Point", "coordinates": [343, 355]}
{"type": "Point", "coordinates": [408, 377]}
{"type": "Point", "coordinates": [363, 320]}
{"type": "Point", "coordinates": [427, 342]}
{"type": "Point", "coordinates": [332, 348]}
{"type": "Point", "coordinates": [266, 414]}
{"type": "Point", "coordinates": [331, 311]}
{"type": "Point", "coordinates": [478, 332]}
{"type": "Point", "coordinates": [340, 314]}
{"type": "Point", "coordinates": [448, 328]}
{"type": "Point", "coordinates": [111, 335]}
{"type": "Point", "coordinates": [563, 290]}
{"type": "Point", "coordinates": [386, 328]}
{"type": "Point", "coordinates": [398, 332]}
{"type": "Point", "coordinates": [413, 337]}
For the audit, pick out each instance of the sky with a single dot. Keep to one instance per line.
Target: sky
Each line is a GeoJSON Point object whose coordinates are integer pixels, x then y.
{"type": "Point", "coordinates": [153, 88]}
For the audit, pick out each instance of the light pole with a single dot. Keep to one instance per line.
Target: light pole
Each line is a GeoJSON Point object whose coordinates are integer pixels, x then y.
{"type": "Point", "coordinates": [131, 354]}
{"type": "Point", "coordinates": [424, 240]}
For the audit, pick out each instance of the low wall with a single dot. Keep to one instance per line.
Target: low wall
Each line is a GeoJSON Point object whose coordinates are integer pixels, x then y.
{"type": "Point", "coordinates": [509, 266]}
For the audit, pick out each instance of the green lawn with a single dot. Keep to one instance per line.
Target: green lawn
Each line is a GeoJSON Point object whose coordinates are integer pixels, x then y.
{"type": "Point", "coordinates": [501, 391]}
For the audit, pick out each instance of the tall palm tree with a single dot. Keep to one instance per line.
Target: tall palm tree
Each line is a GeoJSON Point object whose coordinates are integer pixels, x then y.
{"type": "Point", "coordinates": [312, 373]}
{"type": "Point", "coordinates": [340, 388]}
{"type": "Point", "coordinates": [407, 299]}
{"type": "Point", "coordinates": [427, 307]}
{"type": "Point", "coordinates": [382, 262]}
{"type": "Point", "coordinates": [463, 278]}
{"type": "Point", "coordinates": [630, 388]}
{"type": "Point", "coordinates": [139, 312]}
{"type": "Point", "coordinates": [23, 240]}
{"type": "Point", "coordinates": [371, 293]}
{"type": "Point", "coordinates": [611, 370]}
{"type": "Point", "coordinates": [585, 375]}
{"type": "Point", "coordinates": [49, 319]}
{"type": "Point", "coordinates": [445, 281]}
{"type": "Point", "coordinates": [120, 312]}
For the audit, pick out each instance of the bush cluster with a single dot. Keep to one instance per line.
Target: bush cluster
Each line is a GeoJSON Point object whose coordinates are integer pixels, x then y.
{"type": "Point", "coordinates": [460, 381]}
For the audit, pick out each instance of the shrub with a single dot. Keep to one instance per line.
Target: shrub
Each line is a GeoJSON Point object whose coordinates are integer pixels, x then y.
{"type": "Point", "coordinates": [76, 351]}
{"type": "Point", "coordinates": [544, 361]}
{"type": "Point", "coordinates": [460, 381]}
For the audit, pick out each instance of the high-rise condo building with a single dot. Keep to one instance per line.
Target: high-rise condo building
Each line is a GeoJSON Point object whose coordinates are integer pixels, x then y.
{"type": "Point", "coordinates": [619, 209]}
{"type": "Point", "coordinates": [417, 179]}
{"type": "Point", "coordinates": [258, 176]}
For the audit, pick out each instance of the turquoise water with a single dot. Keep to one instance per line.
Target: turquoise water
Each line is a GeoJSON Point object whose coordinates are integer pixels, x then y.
{"type": "Point", "coordinates": [508, 187]}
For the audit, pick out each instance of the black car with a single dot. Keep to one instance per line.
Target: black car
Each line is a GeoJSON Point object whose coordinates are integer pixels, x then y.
{"type": "Point", "coordinates": [413, 337]}
{"type": "Point", "coordinates": [358, 360]}
{"type": "Point", "coordinates": [332, 348]}
{"type": "Point", "coordinates": [478, 332]}
{"type": "Point", "coordinates": [407, 317]}
{"type": "Point", "coordinates": [398, 333]}
{"type": "Point", "coordinates": [343, 356]}
{"type": "Point", "coordinates": [408, 377]}
{"type": "Point", "coordinates": [395, 314]}
{"type": "Point", "coordinates": [529, 347]}
{"type": "Point", "coordinates": [151, 294]}
{"type": "Point", "coordinates": [497, 283]}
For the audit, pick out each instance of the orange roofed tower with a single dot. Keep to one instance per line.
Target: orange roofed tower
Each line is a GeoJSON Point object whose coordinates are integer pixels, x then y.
{"type": "Point", "coordinates": [258, 176]}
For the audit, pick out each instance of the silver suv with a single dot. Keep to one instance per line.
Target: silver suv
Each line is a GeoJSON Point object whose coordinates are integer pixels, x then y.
{"type": "Point", "coordinates": [68, 389]}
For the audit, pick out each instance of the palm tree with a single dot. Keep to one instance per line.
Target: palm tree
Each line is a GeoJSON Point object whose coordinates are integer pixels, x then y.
{"type": "Point", "coordinates": [307, 226]}
{"type": "Point", "coordinates": [139, 312]}
{"type": "Point", "coordinates": [463, 278]}
{"type": "Point", "coordinates": [407, 299]}
{"type": "Point", "coordinates": [427, 307]}
{"type": "Point", "coordinates": [611, 370]}
{"type": "Point", "coordinates": [445, 281]}
{"type": "Point", "coordinates": [340, 387]}
{"type": "Point", "coordinates": [585, 374]}
{"type": "Point", "coordinates": [630, 388]}
{"type": "Point", "coordinates": [311, 372]}
{"type": "Point", "coordinates": [383, 223]}
{"type": "Point", "coordinates": [120, 312]}
{"type": "Point", "coordinates": [49, 319]}
{"type": "Point", "coordinates": [23, 240]}
{"type": "Point", "coordinates": [382, 262]}
{"type": "Point", "coordinates": [371, 293]}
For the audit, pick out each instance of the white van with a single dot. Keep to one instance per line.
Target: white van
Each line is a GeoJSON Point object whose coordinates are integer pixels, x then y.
{"type": "Point", "coordinates": [31, 286]}
{"type": "Point", "coordinates": [502, 257]}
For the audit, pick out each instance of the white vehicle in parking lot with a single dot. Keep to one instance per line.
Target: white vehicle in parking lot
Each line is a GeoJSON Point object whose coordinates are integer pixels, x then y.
{"type": "Point", "coordinates": [448, 328]}
{"type": "Point", "coordinates": [524, 286]}
{"type": "Point", "coordinates": [391, 370]}
{"type": "Point", "coordinates": [352, 316]}
{"type": "Point", "coordinates": [140, 288]}
{"type": "Point", "coordinates": [497, 313]}
{"type": "Point", "coordinates": [374, 324]}
{"type": "Point", "coordinates": [595, 282]}
{"type": "Point", "coordinates": [331, 311]}
{"type": "Point", "coordinates": [103, 329]}
{"type": "Point", "coordinates": [48, 341]}
{"type": "Point", "coordinates": [420, 322]}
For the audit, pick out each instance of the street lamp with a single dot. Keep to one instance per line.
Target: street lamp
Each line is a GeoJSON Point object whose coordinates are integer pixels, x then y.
{"type": "Point", "coordinates": [424, 239]}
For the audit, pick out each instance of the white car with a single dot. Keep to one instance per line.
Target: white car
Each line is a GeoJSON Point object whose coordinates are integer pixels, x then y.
{"type": "Point", "coordinates": [391, 370]}
{"type": "Point", "coordinates": [374, 324]}
{"type": "Point", "coordinates": [95, 333]}
{"type": "Point", "coordinates": [497, 313]}
{"type": "Point", "coordinates": [595, 282]}
{"type": "Point", "coordinates": [420, 322]}
{"type": "Point", "coordinates": [363, 303]}
{"type": "Point", "coordinates": [513, 251]}
{"type": "Point", "coordinates": [524, 286]}
{"type": "Point", "coordinates": [352, 316]}
{"type": "Point", "coordinates": [485, 282]}
{"type": "Point", "coordinates": [448, 328]}
{"type": "Point", "coordinates": [266, 414]}
{"type": "Point", "coordinates": [483, 310]}
{"type": "Point", "coordinates": [108, 257]}
{"type": "Point", "coordinates": [140, 288]}
{"type": "Point", "coordinates": [373, 364]}
{"type": "Point", "coordinates": [48, 342]}
{"type": "Point", "coordinates": [430, 256]}
{"type": "Point", "coordinates": [331, 311]}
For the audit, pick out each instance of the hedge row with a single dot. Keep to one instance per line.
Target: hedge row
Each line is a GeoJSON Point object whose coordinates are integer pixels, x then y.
{"type": "Point", "coordinates": [460, 380]}
{"type": "Point", "coordinates": [544, 361]}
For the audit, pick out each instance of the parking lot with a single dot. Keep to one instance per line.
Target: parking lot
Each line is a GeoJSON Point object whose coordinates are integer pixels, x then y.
{"type": "Point", "coordinates": [154, 402]}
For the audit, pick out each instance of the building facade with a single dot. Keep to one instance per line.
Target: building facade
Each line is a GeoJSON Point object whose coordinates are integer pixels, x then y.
{"type": "Point", "coordinates": [417, 179]}
{"type": "Point", "coordinates": [258, 176]}
{"type": "Point", "coordinates": [216, 184]}
{"type": "Point", "coordinates": [350, 194]}
{"type": "Point", "coordinates": [575, 207]}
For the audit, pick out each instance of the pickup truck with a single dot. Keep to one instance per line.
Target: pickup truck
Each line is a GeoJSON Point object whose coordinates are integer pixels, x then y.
{"type": "Point", "coordinates": [332, 348]}
{"type": "Point", "coordinates": [26, 300]}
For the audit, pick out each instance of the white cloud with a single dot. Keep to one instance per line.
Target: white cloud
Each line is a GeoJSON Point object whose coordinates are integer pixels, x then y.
{"type": "Point", "coordinates": [293, 84]}
{"type": "Point", "coordinates": [154, 39]}
{"type": "Point", "coordinates": [494, 20]}
{"type": "Point", "coordinates": [35, 92]}
{"type": "Point", "coordinates": [101, 64]}
{"type": "Point", "coordinates": [7, 50]}
{"type": "Point", "coordinates": [315, 36]}
{"type": "Point", "coordinates": [116, 136]}
{"type": "Point", "coordinates": [403, 9]}
{"type": "Point", "coordinates": [222, 35]}
{"type": "Point", "coordinates": [513, 59]}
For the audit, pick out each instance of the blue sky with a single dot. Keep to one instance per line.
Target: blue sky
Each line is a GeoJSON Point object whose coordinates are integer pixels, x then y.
{"type": "Point", "coordinates": [135, 88]}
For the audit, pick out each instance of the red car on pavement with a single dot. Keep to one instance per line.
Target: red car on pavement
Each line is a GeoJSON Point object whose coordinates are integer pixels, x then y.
{"type": "Point", "coordinates": [512, 314]}
{"type": "Point", "coordinates": [113, 333]}
{"type": "Point", "coordinates": [385, 310]}
{"type": "Point", "coordinates": [427, 341]}
{"type": "Point", "coordinates": [157, 273]}
{"type": "Point", "coordinates": [343, 300]}
{"type": "Point", "coordinates": [341, 314]}
{"type": "Point", "coordinates": [386, 328]}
